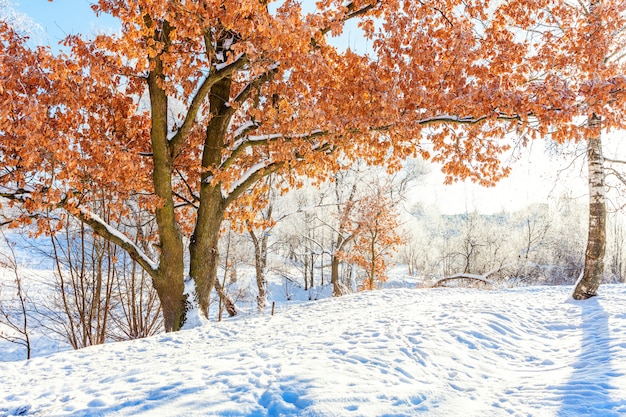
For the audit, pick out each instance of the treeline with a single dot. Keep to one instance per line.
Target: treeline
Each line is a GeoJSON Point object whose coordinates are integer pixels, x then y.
{"type": "Point", "coordinates": [336, 237]}
{"type": "Point", "coordinates": [542, 244]}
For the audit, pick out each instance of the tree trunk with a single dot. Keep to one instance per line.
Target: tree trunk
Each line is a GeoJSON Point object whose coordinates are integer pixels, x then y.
{"type": "Point", "coordinates": [170, 289]}
{"type": "Point", "coordinates": [229, 304]}
{"type": "Point", "coordinates": [587, 286]}
{"type": "Point", "coordinates": [306, 270]}
{"type": "Point", "coordinates": [340, 244]}
{"type": "Point", "coordinates": [203, 249]}
{"type": "Point", "coordinates": [372, 267]}
{"type": "Point", "coordinates": [334, 276]}
{"type": "Point", "coordinates": [312, 272]}
{"type": "Point", "coordinates": [168, 280]}
{"type": "Point", "coordinates": [260, 263]}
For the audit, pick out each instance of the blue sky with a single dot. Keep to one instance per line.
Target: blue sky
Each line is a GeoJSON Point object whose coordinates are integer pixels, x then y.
{"type": "Point", "coordinates": [60, 18]}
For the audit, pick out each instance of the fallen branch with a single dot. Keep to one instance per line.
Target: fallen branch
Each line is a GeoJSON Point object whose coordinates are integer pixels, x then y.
{"type": "Point", "coordinates": [475, 278]}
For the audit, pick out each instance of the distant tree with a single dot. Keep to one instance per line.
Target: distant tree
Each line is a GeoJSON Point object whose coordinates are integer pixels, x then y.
{"type": "Point", "coordinates": [530, 228]}
{"type": "Point", "coordinates": [566, 241]}
{"type": "Point", "coordinates": [428, 238]}
{"type": "Point", "coordinates": [343, 224]}
{"type": "Point", "coordinates": [355, 218]}
{"type": "Point", "coordinates": [616, 248]}
{"type": "Point", "coordinates": [299, 237]}
{"type": "Point", "coordinates": [377, 238]}
{"type": "Point", "coordinates": [409, 254]}
{"type": "Point", "coordinates": [259, 230]}
{"type": "Point", "coordinates": [470, 245]}
{"type": "Point", "coordinates": [539, 244]}
{"type": "Point", "coordinates": [477, 243]}
{"type": "Point", "coordinates": [235, 250]}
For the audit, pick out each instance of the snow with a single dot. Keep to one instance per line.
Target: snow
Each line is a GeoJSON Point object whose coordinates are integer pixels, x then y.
{"type": "Point", "coordinates": [250, 172]}
{"type": "Point", "coordinates": [222, 65]}
{"type": "Point", "coordinates": [395, 352]}
{"type": "Point", "coordinates": [121, 237]}
{"type": "Point", "coordinates": [240, 132]}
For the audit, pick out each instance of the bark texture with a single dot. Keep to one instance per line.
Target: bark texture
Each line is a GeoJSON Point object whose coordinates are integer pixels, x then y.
{"type": "Point", "coordinates": [587, 286]}
{"type": "Point", "coordinates": [168, 279]}
{"type": "Point", "coordinates": [339, 288]}
{"type": "Point", "coordinates": [203, 248]}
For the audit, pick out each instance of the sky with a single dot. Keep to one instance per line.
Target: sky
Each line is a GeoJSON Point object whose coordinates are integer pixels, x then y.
{"type": "Point", "coordinates": [60, 18]}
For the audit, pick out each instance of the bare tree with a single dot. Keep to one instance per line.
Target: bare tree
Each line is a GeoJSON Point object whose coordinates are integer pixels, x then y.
{"type": "Point", "coordinates": [85, 277]}
{"type": "Point", "coordinates": [343, 212]}
{"type": "Point", "coordinates": [137, 312]}
{"type": "Point", "coordinates": [616, 248]}
{"type": "Point", "coordinates": [16, 317]}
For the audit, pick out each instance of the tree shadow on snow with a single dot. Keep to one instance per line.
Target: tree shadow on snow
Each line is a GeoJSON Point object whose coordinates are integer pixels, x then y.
{"type": "Point", "coordinates": [589, 391]}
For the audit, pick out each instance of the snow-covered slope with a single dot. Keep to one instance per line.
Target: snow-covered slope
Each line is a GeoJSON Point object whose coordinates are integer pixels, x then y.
{"type": "Point", "coordinates": [398, 352]}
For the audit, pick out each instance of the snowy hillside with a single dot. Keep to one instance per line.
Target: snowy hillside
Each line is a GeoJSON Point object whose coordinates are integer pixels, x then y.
{"type": "Point", "coordinates": [430, 352]}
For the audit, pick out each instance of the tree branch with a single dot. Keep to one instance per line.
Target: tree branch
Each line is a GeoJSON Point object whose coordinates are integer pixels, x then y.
{"type": "Point", "coordinates": [265, 140]}
{"type": "Point", "coordinates": [617, 174]}
{"type": "Point", "coordinates": [104, 230]}
{"type": "Point", "coordinates": [268, 139]}
{"type": "Point", "coordinates": [464, 120]}
{"type": "Point", "coordinates": [439, 11]}
{"type": "Point", "coordinates": [181, 135]}
{"type": "Point", "coordinates": [99, 226]}
{"type": "Point", "coordinates": [251, 179]}
{"type": "Point", "coordinates": [194, 197]}
{"type": "Point", "coordinates": [352, 13]}
{"type": "Point", "coordinates": [614, 161]}
{"type": "Point", "coordinates": [244, 94]}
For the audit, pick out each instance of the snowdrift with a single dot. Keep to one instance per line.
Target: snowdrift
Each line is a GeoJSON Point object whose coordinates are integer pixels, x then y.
{"type": "Point", "coordinates": [398, 352]}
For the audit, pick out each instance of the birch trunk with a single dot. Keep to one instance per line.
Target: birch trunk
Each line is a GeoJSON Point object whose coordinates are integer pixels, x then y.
{"type": "Point", "coordinates": [587, 286]}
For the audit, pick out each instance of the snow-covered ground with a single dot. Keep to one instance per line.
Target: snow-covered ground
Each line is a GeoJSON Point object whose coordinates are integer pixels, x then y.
{"type": "Point", "coordinates": [394, 352]}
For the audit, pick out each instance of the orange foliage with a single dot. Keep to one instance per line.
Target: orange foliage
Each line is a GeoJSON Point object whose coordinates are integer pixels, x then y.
{"type": "Point", "coordinates": [77, 121]}
{"type": "Point", "coordinates": [376, 239]}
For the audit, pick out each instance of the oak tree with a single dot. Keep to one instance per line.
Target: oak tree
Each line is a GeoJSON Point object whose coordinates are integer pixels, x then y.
{"type": "Point", "coordinates": [192, 103]}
